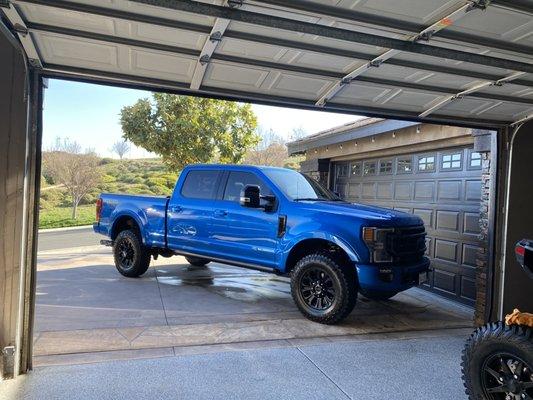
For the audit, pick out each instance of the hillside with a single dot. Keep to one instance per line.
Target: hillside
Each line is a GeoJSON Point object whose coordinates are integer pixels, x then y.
{"type": "Point", "coordinates": [143, 176]}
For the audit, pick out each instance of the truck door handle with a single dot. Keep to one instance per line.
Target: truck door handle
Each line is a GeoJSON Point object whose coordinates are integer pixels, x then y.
{"type": "Point", "coordinates": [176, 209]}
{"type": "Point", "coordinates": [220, 213]}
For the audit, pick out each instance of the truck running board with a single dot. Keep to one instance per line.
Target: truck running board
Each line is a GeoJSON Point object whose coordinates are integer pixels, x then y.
{"type": "Point", "coordinates": [107, 243]}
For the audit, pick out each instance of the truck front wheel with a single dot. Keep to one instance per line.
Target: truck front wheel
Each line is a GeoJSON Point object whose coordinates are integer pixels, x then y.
{"type": "Point", "coordinates": [324, 291]}
{"type": "Point", "coordinates": [132, 259]}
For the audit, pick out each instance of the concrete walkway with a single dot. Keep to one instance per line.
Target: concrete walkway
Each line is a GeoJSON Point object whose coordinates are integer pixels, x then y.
{"type": "Point", "coordinates": [396, 366]}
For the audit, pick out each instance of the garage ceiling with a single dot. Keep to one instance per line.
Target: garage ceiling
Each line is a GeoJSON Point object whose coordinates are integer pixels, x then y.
{"type": "Point", "coordinates": [467, 62]}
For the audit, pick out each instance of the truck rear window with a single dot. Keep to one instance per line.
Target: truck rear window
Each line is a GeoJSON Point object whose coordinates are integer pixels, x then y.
{"type": "Point", "coordinates": [201, 184]}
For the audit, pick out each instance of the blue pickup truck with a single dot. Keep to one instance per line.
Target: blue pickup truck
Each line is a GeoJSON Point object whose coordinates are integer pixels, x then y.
{"type": "Point", "coordinates": [275, 220]}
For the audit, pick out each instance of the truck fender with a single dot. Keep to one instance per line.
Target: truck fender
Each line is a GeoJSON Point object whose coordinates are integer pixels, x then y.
{"type": "Point", "coordinates": [127, 213]}
{"type": "Point", "coordinates": [349, 250]}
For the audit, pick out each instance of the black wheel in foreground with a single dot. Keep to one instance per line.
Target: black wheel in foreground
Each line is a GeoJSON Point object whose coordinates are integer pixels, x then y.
{"type": "Point", "coordinates": [324, 291]}
{"type": "Point", "coordinates": [132, 259]}
{"type": "Point", "coordinates": [497, 363]}
{"type": "Point", "coordinates": [197, 261]}
{"type": "Point", "coordinates": [375, 295]}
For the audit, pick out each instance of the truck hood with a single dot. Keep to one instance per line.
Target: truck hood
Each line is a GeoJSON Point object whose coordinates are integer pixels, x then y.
{"type": "Point", "coordinates": [368, 213]}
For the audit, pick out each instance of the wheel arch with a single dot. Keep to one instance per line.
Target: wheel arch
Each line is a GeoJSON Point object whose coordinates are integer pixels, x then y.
{"type": "Point", "coordinates": [123, 222]}
{"type": "Point", "coordinates": [311, 245]}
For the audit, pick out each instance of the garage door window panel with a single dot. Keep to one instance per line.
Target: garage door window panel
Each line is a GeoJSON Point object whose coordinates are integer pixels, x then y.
{"type": "Point", "coordinates": [369, 168]}
{"type": "Point", "coordinates": [426, 163]}
{"type": "Point", "coordinates": [355, 169]}
{"type": "Point", "coordinates": [342, 170]}
{"type": "Point", "coordinates": [452, 161]}
{"type": "Point", "coordinates": [474, 160]}
{"type": "Point", "coordinates": [404, 165]}
{"type": "Point", "coordinates": [385, 167]}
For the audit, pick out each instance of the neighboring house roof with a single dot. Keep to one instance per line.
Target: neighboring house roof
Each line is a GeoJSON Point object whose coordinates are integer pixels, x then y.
{"type": "Point", "coordinates": [343, 133]}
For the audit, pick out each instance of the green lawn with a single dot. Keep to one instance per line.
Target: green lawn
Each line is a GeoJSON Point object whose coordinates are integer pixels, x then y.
{"type": "Point", "coordinates": [59, 217]}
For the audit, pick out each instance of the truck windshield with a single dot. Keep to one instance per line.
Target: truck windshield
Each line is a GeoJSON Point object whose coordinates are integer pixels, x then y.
{"type": "Point", "coordinates": [300, 187]}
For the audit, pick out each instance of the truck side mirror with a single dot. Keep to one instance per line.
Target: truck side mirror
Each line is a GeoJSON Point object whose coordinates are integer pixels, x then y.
{"type": "Point", "coordinates": [524, 255]}
{"type": "Point", "coordinates": [251, 197]}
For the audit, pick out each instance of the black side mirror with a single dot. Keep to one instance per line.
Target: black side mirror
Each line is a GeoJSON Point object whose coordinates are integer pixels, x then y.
{"type": "Point", "coordinates": [524, 255]}
{"type": "Point", "coordinates": [251, 197]}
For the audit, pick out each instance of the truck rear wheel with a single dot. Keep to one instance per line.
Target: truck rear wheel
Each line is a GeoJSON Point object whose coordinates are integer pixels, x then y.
{"type": "Point", "coordinates": [497, 363]}
{"type": "Point", "coordinates": [132, 259]}
{"type": "Point", "coordinates": [376, 295]}
{"type": "Point", "coordinates": [324, 291]}
{"type": "Point", "coordinates": [197, 261]}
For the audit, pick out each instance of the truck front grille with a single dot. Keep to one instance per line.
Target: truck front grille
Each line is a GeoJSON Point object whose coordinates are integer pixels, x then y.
{"type": "Point", "coordinates": [407, 244]}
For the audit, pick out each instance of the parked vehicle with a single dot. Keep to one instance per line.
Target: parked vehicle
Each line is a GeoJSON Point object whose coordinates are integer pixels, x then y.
{"type": "Point", "coordinates": [275, 220]}
{"type": "Point", "coordinates": [497, 360]}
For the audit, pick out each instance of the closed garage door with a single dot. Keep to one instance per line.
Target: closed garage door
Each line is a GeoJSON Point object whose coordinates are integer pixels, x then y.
{"type": "Point", "coordinates": [443, 187]}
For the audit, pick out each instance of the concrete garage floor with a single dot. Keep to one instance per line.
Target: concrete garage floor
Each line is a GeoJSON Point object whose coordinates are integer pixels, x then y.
{"type": "Point", "coordinates": [87, 312]}
{"type": "Point", "coordinates": [421, 365]}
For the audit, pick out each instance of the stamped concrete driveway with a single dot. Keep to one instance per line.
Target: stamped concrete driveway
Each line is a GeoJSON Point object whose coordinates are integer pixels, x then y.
{"type": "Point", "coordinates": [87, 311]}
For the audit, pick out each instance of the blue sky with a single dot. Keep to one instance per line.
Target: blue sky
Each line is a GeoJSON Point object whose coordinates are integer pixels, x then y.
{"type": "Point", "coordinates": [89, 114]}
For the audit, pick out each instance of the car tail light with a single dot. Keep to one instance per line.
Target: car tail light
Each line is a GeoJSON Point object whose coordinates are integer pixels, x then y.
{"type": "Point", "coordinates": [98, 209]}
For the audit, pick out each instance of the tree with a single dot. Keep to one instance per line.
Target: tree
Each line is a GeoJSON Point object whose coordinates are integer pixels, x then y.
{"type": "Point", "coordinates": [270, 151]}
{"type": "Point", "coordinates": [185, 130]}
{"type": "Point", "coordinates": [77, 172]}
{"type": "Point", "coordinates": [66, 145]}
{"type": "Point", "coordinates": [121, 148]}
{"type": "Point", "coordinates": [298, 133]}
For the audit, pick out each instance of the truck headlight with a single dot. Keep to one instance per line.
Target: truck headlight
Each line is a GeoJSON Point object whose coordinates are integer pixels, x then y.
{"type": "Point", "coordinates": [376, 239]}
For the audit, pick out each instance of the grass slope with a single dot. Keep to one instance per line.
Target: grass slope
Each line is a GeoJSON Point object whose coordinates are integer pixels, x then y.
{"type": "Point", "coordinates": [144, 176]}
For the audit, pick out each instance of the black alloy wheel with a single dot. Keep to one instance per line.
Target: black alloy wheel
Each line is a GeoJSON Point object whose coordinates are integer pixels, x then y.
{"type": "Point", "coordinates": [317, 289]}
{"type": "Point", "coordinates": [506, 376]}
{"type": "Point", "coordinates": [126, 254]}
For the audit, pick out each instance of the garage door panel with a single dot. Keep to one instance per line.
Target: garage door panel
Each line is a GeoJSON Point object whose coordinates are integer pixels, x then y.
{"type": "Point", "coordinates": [470, 254]}
{"type": "Point", "coordinates": [444, 280]}
{"type": "Point", "coordinates": [448, 220]}
{"type": "Point", "coordinates": [447, 198]}
{"type": "Point", "coordinates": [403, 191]}
{"type": "Point", "coordinates": [446, 250]}
{"type": "Point", "coordinates": [424, 191]}
{"type": "Point", "coordinates": [449, 190]}
{"type": "Point", "coordinates": [473, 190]}
{"type": "Point", "coordinates": [471, 223]}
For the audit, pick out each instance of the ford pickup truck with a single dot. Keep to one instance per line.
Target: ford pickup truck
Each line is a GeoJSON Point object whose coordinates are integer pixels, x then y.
{"type": "Point", "coordinates": [275, 220]}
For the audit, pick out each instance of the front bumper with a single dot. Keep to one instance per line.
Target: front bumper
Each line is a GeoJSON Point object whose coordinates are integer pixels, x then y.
{"type": "Point", "coordinates": [390, 278]}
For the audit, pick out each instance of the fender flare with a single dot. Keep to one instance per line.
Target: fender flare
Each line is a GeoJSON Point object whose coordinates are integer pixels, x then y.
{"type": "Point", "coordinates": [135, 217]}
{"type": "Point", "coordinates": [343, 244]}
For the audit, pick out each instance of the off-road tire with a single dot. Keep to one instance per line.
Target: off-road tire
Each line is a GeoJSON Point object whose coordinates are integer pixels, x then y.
{"type": "Point", "coordinates": [138, 255]}
{"type": "Point", "coordinates": [375, 295]}
{"type": "Point", "coordinates": [488, 341]}
{"type": "Point", "coordinates": [197, 261]}
{"type": "Point", "coordinates": [344, 281]}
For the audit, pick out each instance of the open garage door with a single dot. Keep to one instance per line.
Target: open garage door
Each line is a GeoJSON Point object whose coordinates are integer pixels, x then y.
{"type": "Point", "coordinates": [443, 187]}
{"type": "Point", "coordinates": [454, 62]}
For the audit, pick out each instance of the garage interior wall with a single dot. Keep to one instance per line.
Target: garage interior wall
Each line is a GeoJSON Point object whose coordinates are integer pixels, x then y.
{"type": "Point", "coordinates": [517, 287]}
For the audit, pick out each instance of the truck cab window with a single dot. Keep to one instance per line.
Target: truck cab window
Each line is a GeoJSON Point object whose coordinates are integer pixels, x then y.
{"type": "Point", "coordinates": [237, 181]}
{"type": "Point", "coordinates": [200, 184]}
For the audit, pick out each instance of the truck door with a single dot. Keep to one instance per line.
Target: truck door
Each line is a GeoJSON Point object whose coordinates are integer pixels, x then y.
{"type": "Point", "coordinates": [190, 211]}
{"type": "Point", "coordinates": [244, 234]}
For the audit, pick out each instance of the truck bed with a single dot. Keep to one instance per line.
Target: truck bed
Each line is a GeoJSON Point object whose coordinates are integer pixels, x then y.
{"type": "Point", "coordinates": [148, 211]}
